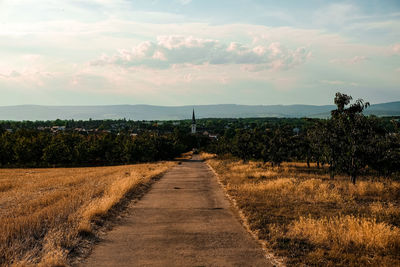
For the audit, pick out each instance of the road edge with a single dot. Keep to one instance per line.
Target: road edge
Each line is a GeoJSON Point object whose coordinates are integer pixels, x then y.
{"type": "Point", "coordinates": [113, 218]}
{"type": "Point", "coordinates": [269, 255]}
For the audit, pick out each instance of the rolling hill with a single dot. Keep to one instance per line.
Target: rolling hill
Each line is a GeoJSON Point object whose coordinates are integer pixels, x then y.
{"type": "Point", "coordinates": [149, 112]}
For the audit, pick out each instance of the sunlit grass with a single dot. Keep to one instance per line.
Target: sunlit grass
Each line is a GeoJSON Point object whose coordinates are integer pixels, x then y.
{"type": "Point", "coordinates": [347, 232]}
{"type": "Point", "coordinates": [309, 219]}
{"type": "Point", "coordinates": [44, 213]}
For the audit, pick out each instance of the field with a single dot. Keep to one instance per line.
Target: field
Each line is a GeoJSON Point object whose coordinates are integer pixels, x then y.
{"type": "Point", "coordinates": [46, 213]}
{"type": "Point", "coordinates": [308, 219]}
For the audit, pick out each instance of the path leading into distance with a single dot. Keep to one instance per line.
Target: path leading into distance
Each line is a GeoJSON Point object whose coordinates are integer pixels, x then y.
{"type": "Point", "coordinates": [184, 220]}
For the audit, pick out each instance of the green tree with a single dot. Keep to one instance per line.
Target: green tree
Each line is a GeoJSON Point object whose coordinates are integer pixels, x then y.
{"type": "Point", "coordinates": [352, 134]}
{"type": "Point", "coordinates": [279, 146]}
{"type": "Point", "coordinates": [57, 152]}
{"type": "Point", "coordinates": [244, 145]}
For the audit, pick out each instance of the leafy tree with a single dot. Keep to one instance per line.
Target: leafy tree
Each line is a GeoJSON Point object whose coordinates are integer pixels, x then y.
{"type": "Point", "coordinates": [351, 134]}
{"type": "Point", "coordinates": [384, 150]}
{"type": "Point", "coordinates": [315, 142]}
{"type": "Point", "coordinates": [244, 145]}
{"type": "Point", "coordinates": [6, 149]}
{"type": "Point", "coordinates": [57, 153]}
{"type": "Point", "coordinates": [279, 146]}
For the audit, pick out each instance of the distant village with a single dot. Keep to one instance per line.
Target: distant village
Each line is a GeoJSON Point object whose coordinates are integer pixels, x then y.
{"type": "Point", "coordinates": [134, 128]}
{"type": "Point", "coordinates": [210, 127]}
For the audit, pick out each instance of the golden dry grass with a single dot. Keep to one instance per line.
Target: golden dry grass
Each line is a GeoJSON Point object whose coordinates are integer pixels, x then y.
{"type": "Point", "coordinates": [185, 156]}
{"type": "Point", "coordinates": [206, 156]}
{"type": "Point", "coordinates": [45, 213]}
{"type": "Point", "coordinates": [312, 220]}
{"type": "Point", "coordinates": [347, 231]}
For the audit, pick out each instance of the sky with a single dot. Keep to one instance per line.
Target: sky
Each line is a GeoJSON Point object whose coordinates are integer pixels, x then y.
{"type": "Point", "coordinates": [194, 52]}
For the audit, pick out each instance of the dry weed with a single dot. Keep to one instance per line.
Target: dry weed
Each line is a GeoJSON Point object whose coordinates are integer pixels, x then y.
{"type": "Point", "coordinates": [345, 232]}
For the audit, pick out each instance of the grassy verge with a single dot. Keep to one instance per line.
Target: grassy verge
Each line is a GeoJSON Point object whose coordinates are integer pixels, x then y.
{"type": "Point", "coordinates": [46, 213]}
{"type": "Point", "coordinates": [311, 220]}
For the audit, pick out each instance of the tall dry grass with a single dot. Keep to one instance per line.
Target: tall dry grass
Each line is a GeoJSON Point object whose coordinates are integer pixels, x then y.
{"type": "Point", "coordinates": [346, 232]}
{"type": "Point", "coordinates": [45, 213]}
{"type": "Point", "coordinates": [312, 220]}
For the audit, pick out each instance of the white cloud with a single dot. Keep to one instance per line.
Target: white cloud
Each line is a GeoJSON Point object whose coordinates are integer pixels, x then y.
{"type": "Point", "coordinates": [136, 62]}
{"type": "Point", "coordinates": [338, 82]}
{"type": "Point", "coordinates": [334, 82]}
{"type": "Point", "coordinates": [349, 61]}
{"type": "Point", "coordinates": [335, 14]}
{"type": "Point", "coordinates": [10, 74]}
{"type": "Point", "coordinates": [396, 49]}
{"type": "Point", "coordinates": [31, 71]}
{"type": "Point", "coordinates": [26, 78]}
{"type": "Point", "coordinates": [175, 50]}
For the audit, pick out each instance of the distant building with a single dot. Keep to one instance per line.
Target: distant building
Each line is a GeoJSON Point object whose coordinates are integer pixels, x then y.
{"type": "Point", "coordinates": [103, 131]}
{"type": "Point", "coordinates": [80, 130]}
{"type": "Point", "coordinates": [213, 136]}
{"type": "Point", "coordinates": [55, 129]}
{"type": "Point", "coordinates": [193, 123]}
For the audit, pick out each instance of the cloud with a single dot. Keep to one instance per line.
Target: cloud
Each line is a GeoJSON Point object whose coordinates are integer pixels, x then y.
{"type": "Point", "coordinates": [10, 75]}
{"type": "Point", "coordinates": [173, 50]}
{"type": "Point", "coordinates": [350, 61]}
{"type": "Point", "coordinates": [335, 14]}
{"type": "Point", "coordinates": [185, 2]}
{"type": "Point", "coordinates": [335, 82]}
{"type": "Point", "coordinates": [396, 49]}
{"type": "Point", "coordinates": [31, 76]}
{"type": "Point", "coordinates": [338, 82]}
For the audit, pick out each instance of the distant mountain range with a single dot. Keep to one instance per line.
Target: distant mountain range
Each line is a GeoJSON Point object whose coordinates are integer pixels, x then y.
{"type": "Point", "coordinates": [149, 112]}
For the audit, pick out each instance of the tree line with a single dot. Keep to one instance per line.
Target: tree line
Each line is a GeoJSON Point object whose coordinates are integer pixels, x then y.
{"type": "Point", "coordinates": [32, 148]}
{"type": "Point", "coordinates": [348, 142]}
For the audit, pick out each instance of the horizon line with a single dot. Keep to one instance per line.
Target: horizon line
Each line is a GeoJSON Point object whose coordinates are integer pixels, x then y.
{"type": "Point", "coordinates": [186, 105]}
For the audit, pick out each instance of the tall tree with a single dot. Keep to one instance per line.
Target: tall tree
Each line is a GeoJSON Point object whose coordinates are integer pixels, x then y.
{"type": "Point", "coordinates": [352, 134]}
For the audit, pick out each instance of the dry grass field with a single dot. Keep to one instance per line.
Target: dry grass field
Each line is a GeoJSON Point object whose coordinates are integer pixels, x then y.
{"type": "Point", "coordinates": [45, 213]}
{"type": "Point", "coordinates": [308, 219]}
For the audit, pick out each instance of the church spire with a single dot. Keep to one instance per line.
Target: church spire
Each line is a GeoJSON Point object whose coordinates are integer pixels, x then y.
{"type": "Point", "coordinates": [193, 123]}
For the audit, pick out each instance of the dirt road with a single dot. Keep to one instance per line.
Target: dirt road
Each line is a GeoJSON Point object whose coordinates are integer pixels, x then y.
{"type": "Point", "coordinates": [185, 220]}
